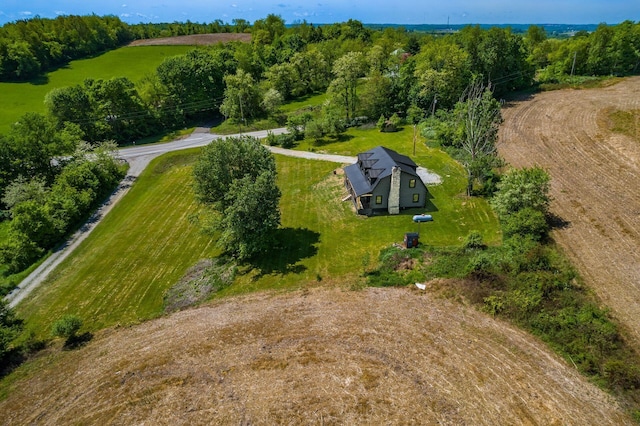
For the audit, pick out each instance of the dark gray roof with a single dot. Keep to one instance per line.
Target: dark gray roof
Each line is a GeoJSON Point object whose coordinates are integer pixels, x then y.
{"type": "Point", "coordinates": [374, 165]}
{"type": "Point", "coordinates": [359, 183]}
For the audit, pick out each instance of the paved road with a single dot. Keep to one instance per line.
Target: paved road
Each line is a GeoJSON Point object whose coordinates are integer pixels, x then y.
{"type": "Point", "coordinates": [139, 158]}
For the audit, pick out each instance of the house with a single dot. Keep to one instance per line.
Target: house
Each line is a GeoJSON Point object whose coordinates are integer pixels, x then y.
{"type": "Point", "coordinates": [382, 180]}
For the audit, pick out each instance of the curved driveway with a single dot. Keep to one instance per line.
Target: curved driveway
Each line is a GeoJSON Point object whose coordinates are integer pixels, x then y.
{"type": "Point", "coordinates": [139, 158]}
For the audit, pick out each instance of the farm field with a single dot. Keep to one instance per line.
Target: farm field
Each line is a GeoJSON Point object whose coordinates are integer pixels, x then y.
{"type": "Point", "coordinates": [130, 62]}
{"type": "Point", "coordinates": [194, 40]}
{"type": "Point", "coordinates": [315, 356]}
{"type": "Point", "coordinates": [123, 267]}
{"type": "Point", "coordinates": [594, 162]}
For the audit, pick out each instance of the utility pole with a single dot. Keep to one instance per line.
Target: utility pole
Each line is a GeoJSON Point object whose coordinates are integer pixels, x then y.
{"type": "Point", "coordinates": [241, 113]}
{"type": "Point", "coordinates": [574, 62]}
{"type": "Point", "coordinates": [415, 133]}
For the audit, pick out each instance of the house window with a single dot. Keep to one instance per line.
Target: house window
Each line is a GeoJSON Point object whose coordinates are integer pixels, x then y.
{"type": "Point", "coordinates": [378, 199]}
{"type": "Point", "coordinates": [416, 198]}
{"type": "Point", "coordinates": [412, 183]}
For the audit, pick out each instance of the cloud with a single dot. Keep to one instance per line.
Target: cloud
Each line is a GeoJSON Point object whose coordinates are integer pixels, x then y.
{"type": "Point", "coordinates": [282, 5]}
{"type": "Point", "coordinates": [124, 5]}
{"type": "Point", "coordinates": [125, 15]}
{"type": "Point", "coordinates": [26, 13]}
{"type": "Point", "coordinates": [60, 12]}
{"type": "Point", "coordinates": [234, 5]}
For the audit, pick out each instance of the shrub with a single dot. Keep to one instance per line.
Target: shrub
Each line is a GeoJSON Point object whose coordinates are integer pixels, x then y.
{"type": "Point", "coordinates": [621, 374]}
{"type": "Point", "coordinates": [66, 327]}
{"type": "Point", "coordinates": [474, 241]}
{"type": "Point", "coordinates": [395, 120]}
{"type": "Point", "coordinates": [520, 189]}
{"type": "Point", "coordinates": [526, 222]}
{"type": "Point", "coordinates": [272, 140]}
{"type": "Point", "coordinates": [286, 140]}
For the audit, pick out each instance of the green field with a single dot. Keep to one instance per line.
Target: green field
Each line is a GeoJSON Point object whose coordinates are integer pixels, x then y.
{"type": "Point", "coordinates": [130, 62]}
{"type": "Point", "coordinates": [119, 274]}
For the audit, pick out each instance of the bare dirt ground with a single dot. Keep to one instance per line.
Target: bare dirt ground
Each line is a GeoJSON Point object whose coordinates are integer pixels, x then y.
{"type": "Point", "coordinates": [193, 40]}
{"type": "Point", "coordinates": [595, 184]}
{"type": "Point", "coordinates": [318, 356]}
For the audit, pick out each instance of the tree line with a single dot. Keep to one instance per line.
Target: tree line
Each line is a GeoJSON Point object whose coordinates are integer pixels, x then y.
{"type": "Point", "coordinates": [31, 47]}
{"type": "Point", "coordinates": [51, 180]}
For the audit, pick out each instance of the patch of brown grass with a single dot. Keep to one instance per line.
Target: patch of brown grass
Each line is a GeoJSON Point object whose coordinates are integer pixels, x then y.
{"type": "Point", "coordinates": [318, 356]}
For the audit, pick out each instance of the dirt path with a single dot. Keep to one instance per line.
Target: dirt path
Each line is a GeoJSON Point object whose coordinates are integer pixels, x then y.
{"type": "Point", "coordinates": [595, 184]}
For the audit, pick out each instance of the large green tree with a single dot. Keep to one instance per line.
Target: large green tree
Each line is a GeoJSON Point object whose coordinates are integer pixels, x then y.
{"type": "Point", "coordinates": [343, 89]}
{"type": "Point", "coordinates": [237, 178]}
{"type": "Point", "coordinates": [241, 97]}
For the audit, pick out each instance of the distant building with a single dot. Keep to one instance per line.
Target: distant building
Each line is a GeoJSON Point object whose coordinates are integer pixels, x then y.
{"type": "Point", "coordinates": [383, 180]}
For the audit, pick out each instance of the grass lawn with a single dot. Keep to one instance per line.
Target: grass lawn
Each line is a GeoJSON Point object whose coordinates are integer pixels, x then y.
{"type": "Point", "coordinates": [131, 62]}
{"type": "Point", "coordinates": [304, 103]}
{"type": "Point", "coordinates": [337, 240]}
{"type": "Point", "coordinates": [119, 273]}
{"type": "Point", "coordinates": [146, 243]}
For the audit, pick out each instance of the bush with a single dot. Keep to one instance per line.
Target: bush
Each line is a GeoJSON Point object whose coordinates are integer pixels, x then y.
{"type": "Point", "coordinates": [520, 189]}
{"type": "Point", "coordinates": [527, 222]}
{"type": "Point", "coordinates": [286, 140]}
{"type": "Point", "coordinates": [621, 374]}
{"type": "Point", "coordinates": [272, 140]}
{"type": "Point", "coordinates": [66, 327]}
{"type": "Point", "coordinates": [474, 241]}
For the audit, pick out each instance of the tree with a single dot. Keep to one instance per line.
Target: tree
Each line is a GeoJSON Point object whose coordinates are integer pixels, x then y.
{"type": "Point", "coordinates": [10, 326]}
{"type": "Point", "coordinates": [376, 95]}
{"type": "Point", "coordinates": [252, 215]}
{"type": "Point", "coordinates": [479, 116]}
{"type": "Point", "coordinates": [343, 88]}
{"type": "Point", "coordinates": [194, 81]}
{"type": "Point", "coordinates": [241, 97]}
{"type": "Point", "coordinates": [519, 189]}
{"type": "Point", "coordinates": [225, 161]}
{"type": "Point", "coordinates": [442, 71]}
{"type": "Point", "coordinates": [237, 178]}
{"type": "Point", "coordinates": [21, 190]}
{"type": "Point", "coordinates": [312, 72]}
{"type": "Point", "coordinates": [271, 101]}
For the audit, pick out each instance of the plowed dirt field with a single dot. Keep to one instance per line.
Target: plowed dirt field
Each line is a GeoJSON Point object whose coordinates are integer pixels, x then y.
{"type": "Point", "coordinates": [318, 356]}
{"type": "Point", "coordinates": [595, 184]}
{"type": "Point", "coordinates": [194, 40]}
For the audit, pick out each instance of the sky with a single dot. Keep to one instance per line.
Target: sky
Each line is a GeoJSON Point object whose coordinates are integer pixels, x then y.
{"type": "Point", "coordinates": [329, 11]}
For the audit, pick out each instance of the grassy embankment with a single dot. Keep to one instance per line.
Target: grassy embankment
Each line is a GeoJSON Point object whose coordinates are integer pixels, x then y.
{"type": "Point", "coordinates": [119, 274]}
{"type": "Point", "coordinates": [130, 62]}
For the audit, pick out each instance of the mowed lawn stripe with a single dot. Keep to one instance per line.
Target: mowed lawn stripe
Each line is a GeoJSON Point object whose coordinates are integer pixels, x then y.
{"type": "Point", "coordinates": [119, 274]}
